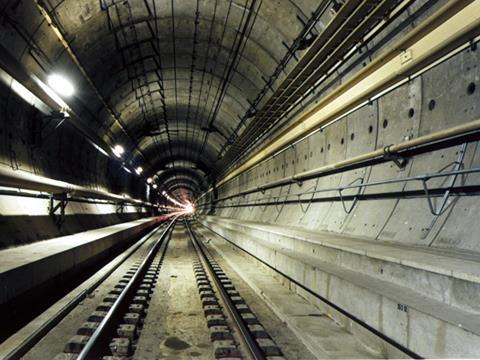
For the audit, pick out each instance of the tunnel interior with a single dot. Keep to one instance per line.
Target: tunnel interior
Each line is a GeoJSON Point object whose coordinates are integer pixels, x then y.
{"type": "Point", "coordinates": [331, 144]}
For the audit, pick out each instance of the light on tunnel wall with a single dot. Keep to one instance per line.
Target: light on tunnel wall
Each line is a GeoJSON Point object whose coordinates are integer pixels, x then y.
{"type": "Point", "coordinates": [118, 150]}
{"type": "Point", "coordinates": [139, 170]}
{"type": "Point", "coordinates": [155, 186]}
{"type": "Point", "coordinates": [61, 85]}
{"type": "Point", "coordinates": [149, 180]}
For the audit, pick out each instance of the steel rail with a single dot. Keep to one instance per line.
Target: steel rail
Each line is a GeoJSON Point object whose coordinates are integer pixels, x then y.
{"type": "Point", "coordinates": [252, 346]}
{"type": "Point", "coordinates": [344, 312]}
{"type": "Point", "coordinates": [36, 336]}
{"type": "Point", "coordinates": [106, 322]}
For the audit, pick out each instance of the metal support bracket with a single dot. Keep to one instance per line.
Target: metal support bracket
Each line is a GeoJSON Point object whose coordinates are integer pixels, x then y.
{"type": "Point", "coordinates": [120, 207]}
{"type": "Point", "coordinates": [399, 160]}
{"type": "Point", "coordinates": [56, 208]}
{"type": "Point", "coordinates": [355, 198]}
{"type": "Point", "coordinates": [445, 204]}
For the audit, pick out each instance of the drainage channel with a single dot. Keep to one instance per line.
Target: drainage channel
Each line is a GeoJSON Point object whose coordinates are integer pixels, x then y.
{"type": "Point", "coordinates": [113, 329]}
{"type": "Point", "coordinates": [235, 331]}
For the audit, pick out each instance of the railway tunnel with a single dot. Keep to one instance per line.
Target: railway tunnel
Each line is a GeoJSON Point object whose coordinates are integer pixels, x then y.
{"type": "Point", "coordinates": [239, 179]}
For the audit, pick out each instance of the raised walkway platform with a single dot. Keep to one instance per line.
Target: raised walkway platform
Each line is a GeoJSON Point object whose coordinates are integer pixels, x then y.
{"type": "Point", "coordinates": [406, 292]}
{"type": "Point", "coordinates": [25, 267]}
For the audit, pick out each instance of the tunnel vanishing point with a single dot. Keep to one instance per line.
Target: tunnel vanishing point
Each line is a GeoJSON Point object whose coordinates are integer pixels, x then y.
{"type": "Point", "coordinates": [239, 179]}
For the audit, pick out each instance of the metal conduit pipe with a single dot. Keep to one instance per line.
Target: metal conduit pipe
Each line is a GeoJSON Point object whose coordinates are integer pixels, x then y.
{"type": "Point", "coordinates": [25, 180]}
{"type": "Point", "coordinates": [448, 29]}
{"type": "Point", "coordinates": [442, 135]}
{"type": "Point", "coordinates": [392, 149]}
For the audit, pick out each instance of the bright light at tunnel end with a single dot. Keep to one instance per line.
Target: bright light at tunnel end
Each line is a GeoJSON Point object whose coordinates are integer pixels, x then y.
{"type": "Point", "coordinates": [186, 208]}
{"type": "Point", "coordinates": [61, 85]}
{"type": "Point", "coordinates": [189, 208]}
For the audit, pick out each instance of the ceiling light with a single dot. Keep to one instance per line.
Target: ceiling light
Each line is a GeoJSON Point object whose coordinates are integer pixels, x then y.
{"type": "Point", "coordinates": [118, 150]}
{"type": "Point", "coordinates": [61, 85]}
{"type": "Point", "coordinates": [154, 186]}
{"type": "Point", "coordinates": [149, 180]}
{"type": "Point", "coordinates": [139, 170]}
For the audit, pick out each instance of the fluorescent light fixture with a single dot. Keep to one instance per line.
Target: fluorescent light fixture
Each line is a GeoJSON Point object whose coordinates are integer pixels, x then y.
{"type": "Point", "coordinates": [127, 170]}
{"type": "Point", "coordinates": [139, 170]}
{"type": "Point", "coordinates": [98, 148]}
{"type": "Point", "coordinates": [23, 92]}
{"type": "Point", "coordinates": [149, 180]}
{"type": "Point", "coordinates": [118, 150]}
{"type": "Point", "coordinates": [61, 85]}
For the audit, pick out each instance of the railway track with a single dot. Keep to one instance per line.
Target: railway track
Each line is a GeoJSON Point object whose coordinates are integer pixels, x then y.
{"type": "Point", "coordinates": [105, 320]}
{"type": "Point", "coordinates": [109, 315]}
{"type": "Point", "coordinates": [185, 286]}
{"type": "Point", "coordinates": [112, 330]}
{"type": "Point", "coordinates": [116, 322]}
{"type": "Point", "coordinates": [235, 331]}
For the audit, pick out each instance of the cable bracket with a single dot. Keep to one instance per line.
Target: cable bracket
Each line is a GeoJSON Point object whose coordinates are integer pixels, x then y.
{"type": "Point", "coordinates": [56, 208]}
{"type": "Point", "coordinates": [399, 160]}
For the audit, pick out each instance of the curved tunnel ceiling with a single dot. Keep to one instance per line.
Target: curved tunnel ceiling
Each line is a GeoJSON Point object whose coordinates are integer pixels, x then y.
{"type": "Point", "coordinates": [179, 75]}
{"type": "Point", "coordinates": [196, 84]}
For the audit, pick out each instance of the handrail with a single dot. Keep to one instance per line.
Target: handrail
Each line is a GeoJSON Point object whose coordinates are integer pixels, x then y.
{"type": "Point", "coordinates": [422, 178]}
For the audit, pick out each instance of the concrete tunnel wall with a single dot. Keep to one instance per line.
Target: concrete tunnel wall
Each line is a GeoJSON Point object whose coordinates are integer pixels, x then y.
{"type": "Point", "coordinates": [32, 142]}
{"type": "Point", "coordinates": [441, 297]}
{"type": "Point", "coordinates": [377, 288]}
{"type": "Point", "coordinates": [400, 115]}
